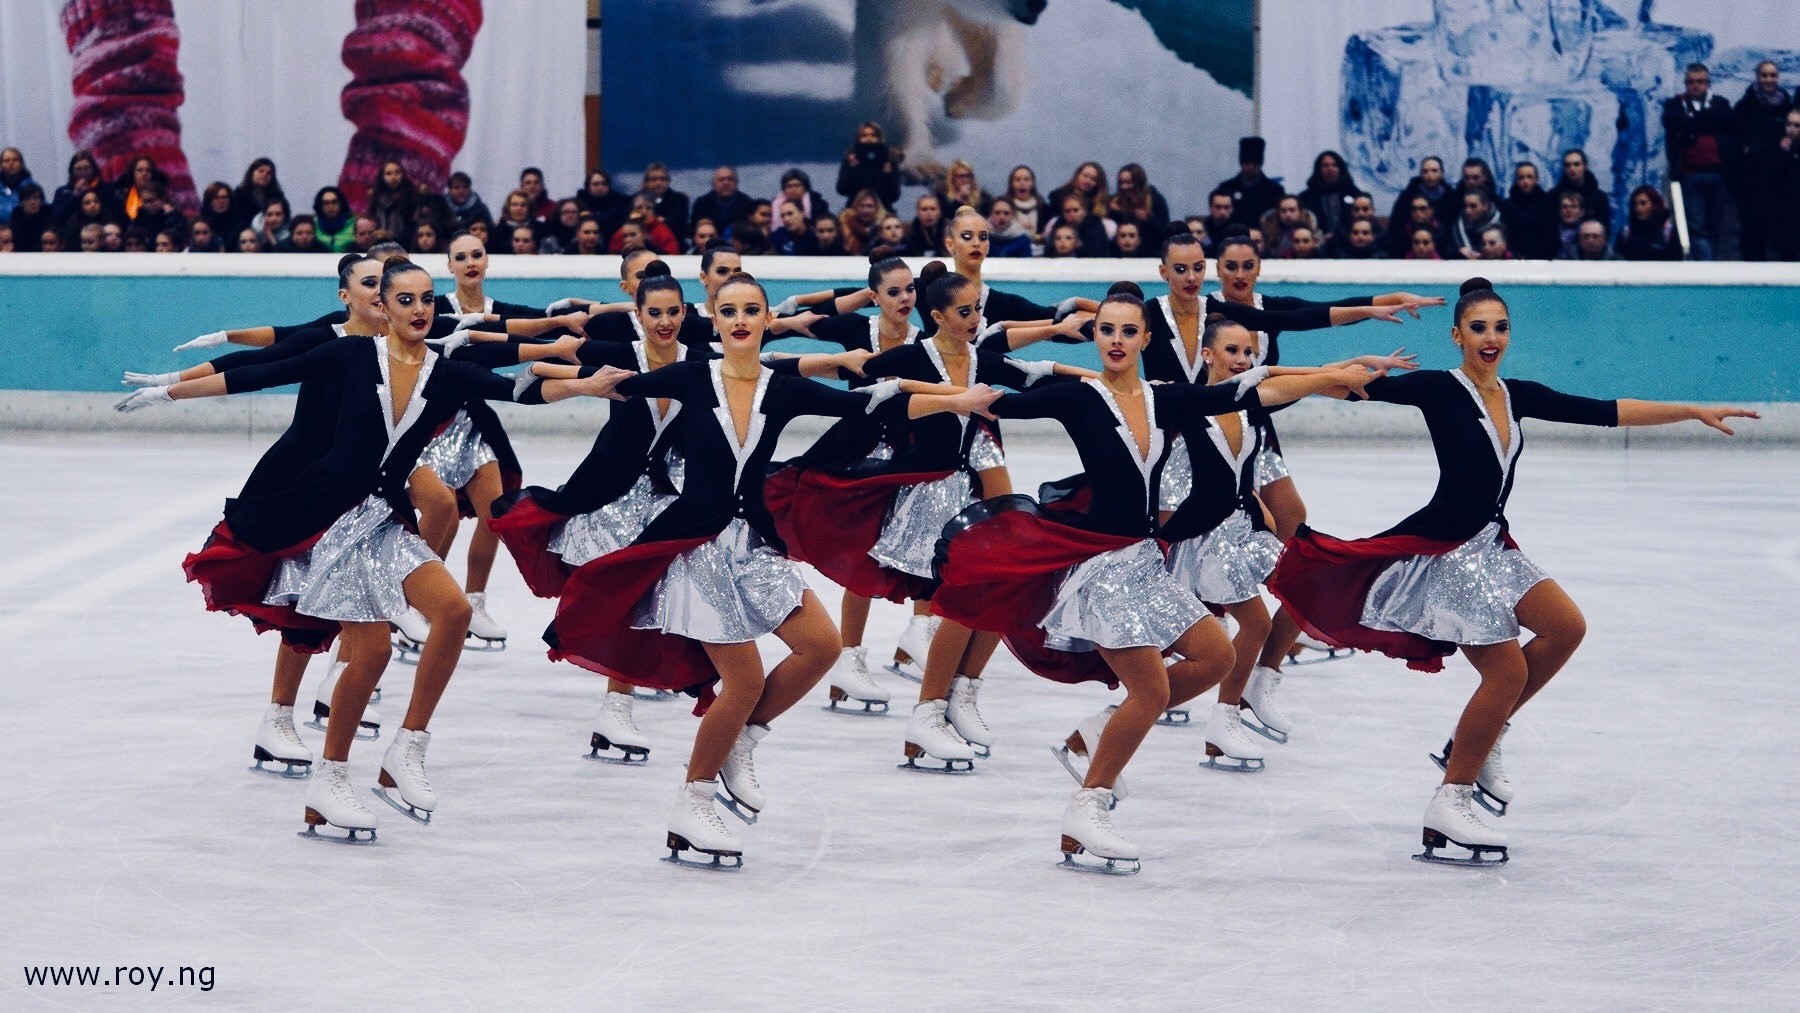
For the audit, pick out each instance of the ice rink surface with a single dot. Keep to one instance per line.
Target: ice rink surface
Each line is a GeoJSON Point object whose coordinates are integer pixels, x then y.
{"type": "Point", "coordinates": [1654, 835]}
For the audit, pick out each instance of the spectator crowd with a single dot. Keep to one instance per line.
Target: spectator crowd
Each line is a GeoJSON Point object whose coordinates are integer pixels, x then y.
{"type": "Point", "coordinates": [1744, 155]}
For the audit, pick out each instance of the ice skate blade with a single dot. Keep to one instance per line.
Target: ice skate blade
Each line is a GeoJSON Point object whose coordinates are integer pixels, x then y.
{"type": "Point", "coordinates": [406, 810]}
{"type": "Point", "coordinates": [638, 693]}
{"type": "Point", "coordinates": [905, 670]}
{"type": "Point", "coordinates": [633, 755]}
{"type": "Point", "coordinates": [1233, 764]}
{"type": "Point", "coordinates": [949, 766]}
{"type": "Point", "coordinates": [1433, 840]}
{"type": "Point", "coordinates": [375, 696]}
{"type": "Point", "coordinates": [1173, 717]}
{"type": "Point", "coordinates": [1317, 656]}
{"type": "Point", "coordinates": [364, 733]}
{"type": "Point", "coordinates": [482, 645]}
{"type": "Point", "coordinates": [1063, 754]}
{"type": "Point", "coordinates": [1253, 723]}
{"type": "Point", "coordinates": [736, 808]}
{"type": "Point", "coordinates": [1113, 867]}
{"type": "Point", "coordinates": [297, 770]}
{"type": "Point", "coordinates": [722, 861]}
{"type": "Point", "coordinates": [870, 708]}
{"type": "Point", "coordinates": [314, 821]}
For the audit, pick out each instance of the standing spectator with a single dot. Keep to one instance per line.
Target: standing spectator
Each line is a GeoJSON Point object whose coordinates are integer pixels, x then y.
{"type": "Point", "coordinates": [1571, 211]}
{"type": "Point", "coordinates": [1128, 241]}
{"type": "Point", "coordinates": [13, 176]}
{"type": "Point", "coordinates": [30, 218]}
{"type": "Point", "coordinates": [796, 188]}
{"type": "Point", "coordinates": [1006, 237]}
{"type": "Point", "coordinates": [793, 238]}
{"type": "Point", "coordinates": [1358, 241]}
{"type": "Point", "coordinates": [659, 235]}
{"type": "Point", "coordinates": [828, 234]}
{"type": "Point", "coordinates": [1578, 178]}
{"type": "Point", "coordinates": [558, 234]}
{"type": "Point", "coordinates": [84, 175]}
{"type": "Point", "coordinates": [140, 172]}
{"type": "Point", "coordinates": [1649, 230]}
{"type": "Point", "coordinates": [202, 238]}
{"type": "Point", "coordinates": [724, 202]}
{"type": "Point", "coordinates": [259, 186]}
{"type": "Point", "coordinates": [1410, 215]}
{"type": "Point", "coordinates": [1281, 220]}
{"type": "Point", "coordinates": [1029, 208]}
{"type": "Point", "coordinates": [531, 184]}
{"type": "Point", "coordinates": [303, 237]}
{"type": "Point", "coordinates": [1329, 193]}
{"type": "Point", "coordinates": [1530, 215]}
{"type": "Point", "coordinates": [671, 206]}
{"type": "Point", "coordinates": [1431, 185]}
{"type": "Point", "coordinates": [958, 188]}
{"type": "Point", "coordinates": [1477, 175]}
{"type": "Point", "coordinates": [464, 204]}
{"type": "Point", "coordinates": [1063, 241]}
{"type": "Point", "coordinates": [870, 165]}
{"type": "Point", "coordinates": [332, 217]}
{"type": "Point", "coordinates": [1494, 245]}
{"type": "Point", "coordinates": [1785, 241]}
{"type": "Point", "coordinates": [1697, 130]}
{"type": "Point", "coordinates": [1252, 193]}
{"type": "Point", "coordinates": [1424, 245]}
{"type": "Point", "coordinates": [925, 236]}
{"type": "Point", "coordinates": [393, 200]}
{"type": "Point", "coordinates": [271, 226]}
{"type": "Point", "coordinates": [218, 208]}
{"type": "Point", "coordinates": [1093, 233]}
{"type": "Point", "coordinates": [608, 206]}
{"type": "Point", "coordinates": [1591, 244]}
{"type": "Point", "coordinates": [1758, 119]}
{"type": "Point", "coordinates": [706, 233]}
{"type": "Point", "coordinates": [1478, 215]}
{"type": "Point", "coordinates": [1221, 213]}
{"type": "Point", "coordinates": [1138, 201]}
{"type": "Point", "coordinates": [514, 213]}
{"type": "Point", "coordinates": [1089, 183]}
{"type": "Point", "coordinates": [857, 223]}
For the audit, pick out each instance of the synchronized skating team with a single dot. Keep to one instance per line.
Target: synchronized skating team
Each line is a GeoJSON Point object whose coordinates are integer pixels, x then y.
{"type": "Point", "coordinates": [673, 546]}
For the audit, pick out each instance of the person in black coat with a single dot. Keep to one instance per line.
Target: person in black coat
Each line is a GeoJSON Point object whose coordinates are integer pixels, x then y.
{"type": "Point", "coordinates": [870, 165]}
{"type": "Point", "coordinates": [671, 205]}
{"type": "Point", "coordinates": [1530, 215]}
{"type": "Point", "coordinates": [1577, 178]}
{"type": "Point", "coordinates": [1252, 193]}
{"type": "Point", "coordinates": [1446, 204]}
{"type": "Point", "coordinates": [1785, 240]}
{"type": "Point", "coordinates": [608, 206]}
{"type": "Point", "coordinates": [1697, 130]}
{"type": "Point", "coordinates": [1758, 119]}
{"type": "Point", "coordinates": [725, 204]}
{"type": "Point", "coordinates": [1329, 193]}
{"type": "Point", "coordinates": [1649, 232]}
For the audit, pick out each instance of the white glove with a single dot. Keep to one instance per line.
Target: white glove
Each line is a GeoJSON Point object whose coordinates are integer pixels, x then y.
{"type": "Point", "coordinates": [1251, 377]}
{"type": "Point", "coordinates": [522, 383]}
{"type": "Point", "coordinates": [149, 379]}
{"type": "Point", "coordinates": [1034, 369]}
{"type": "Point", "coordinates": [456, 340]}
{"type": "Point", "coordinates": [990, 331]}
{"type": "Point", "coordinates": [144, 397]}
{"type": "Point", "coordinates": [464, 321]}
{"type": "Point", "coordinates": [786, 306]}
{"type": "Point", "coordinates": [879, 392]}
{"type": "Point", "coordinates": [1066, 307]}
{"type": "Point", "coordinates": [212, 339]}
{"type": "Point", "coordinates": [559, 307]}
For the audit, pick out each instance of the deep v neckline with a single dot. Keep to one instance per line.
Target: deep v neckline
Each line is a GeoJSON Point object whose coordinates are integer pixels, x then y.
{"type": "Point", "coordinates": [1504, 451]}
{"type": "Point", "coordinates": [662, 409]}
{"type": "Point", "coordinates": [415, 401]}
{"type": "Point", "coordinates": [1189, 366]}
{"type": "Point", "coordinates": [753, 427]}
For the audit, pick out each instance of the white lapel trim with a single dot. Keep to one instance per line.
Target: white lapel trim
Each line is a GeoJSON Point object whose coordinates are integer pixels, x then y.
{"type": "Point", "coordinates": [1246, 443]}
{"type": "Point", "coordinates": [1192, 369]}
{"type": "Point", "coordinates": [415, 406]}
{"type": "Point", "coordinates": [753, 433]}
{"type": "Point", "coordinates": [660, 419]}
{"type": "Point", "coordinates": [1146, 463]}
{"type": "Point", "coordinates": [943, 371]}
{"type": "Point", "coordinates": [1504, 455]}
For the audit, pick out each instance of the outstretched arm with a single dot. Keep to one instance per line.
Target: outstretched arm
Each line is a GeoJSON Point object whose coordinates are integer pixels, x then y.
{"type": "Point", "coordinates": [1662, 413]}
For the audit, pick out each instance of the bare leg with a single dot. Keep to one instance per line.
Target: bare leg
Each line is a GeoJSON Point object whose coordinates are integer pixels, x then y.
{"type": "Point", "coordinates": [1146, 682]}
{"type": "Point", "coordinates": [436, 504]}
{"type": "Point", "coordinates": [947, 650]}
{"type": "Point", "coordinates": [813, 645]}
{"type": "Point", "coordinates": [740, 687]}
{"type": "Point", "coordinates": [290, 668]}
{"type": "Point", "coordinates": [1547, 611]}
{"type": "Point", "coordinates": [368, 643]}
{"type": "Point", "coordinates": [1503, 675]}
{"type": "Point", "coordinates": [446, 608]}
{"type": "Point", "coordinates": [1284, 632]}
{"type": "Point", "coordinates": [1253, 630]}
{"type": "Point", "coordinates": [483, 489]}
{"type": "Point", "coordinates": [979, 652]}
{"type": "Point", "coordinates": [855, 618]}
{"type": "Point", "coordinates": [1284, 502]}
{"type": "Point", "coordinates": [1206, 658]}
{"type": "Point", "coordinates": [615, 686]}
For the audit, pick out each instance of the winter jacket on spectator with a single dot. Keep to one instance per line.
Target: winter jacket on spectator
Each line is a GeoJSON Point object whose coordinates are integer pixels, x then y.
{"type": "Point", "coordinates": [870, 167]}
{"type": "Point", "coordinates": [1530, 218]}
{"type": "Point", "coordinates": [1652, 238]}
{"type": "Point", "coordinates": [474, 210]}
{"type": "Point", "coordinates": [9, 195]}
{"type": "Point", "coordinates": [1444, 201]}
{"type": "Point", "coordinates": [1697, 136]}
{"type": "Point", "coordinates": [609, 209]}
{"type": "Point", "coordinates": [672, 209]}
{"type": "Point", "coordinates": [31, 218]}
{"type": "Point", "coordinates": [724, 211]}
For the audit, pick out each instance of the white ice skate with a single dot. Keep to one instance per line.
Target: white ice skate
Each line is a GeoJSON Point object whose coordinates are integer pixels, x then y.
{"type": "Point", "coordinates": [484, 633]}
{"type": "Point", "coordinates": [1228, 746]}
{"type": "Point", "coordinates": [1451, 819]}
{"type": "Point", "coordinates": [694, 825]}
{"type": "Point", "coordinates": [1260, 713]}
{"type": "Point", "coordinates": [966, 718]}
{"type": "Point", "coordinates": [410, 633]}
{"type": "Point", "coordinates": [930, 737]}
{"type": "Point", "coordinates": [1087, 829]}
{"type": "Point", "coordinates": [1493, 791]}
{"type": "Point", "coordinates": [278, 742]}
{"type": "Point", "coordinates": [743, 795]}
{"type": "Point", "coordinates": [915, 643]}
{"type": "Point", "coordinates": [617, 734]}
{"type": "Point", "coordinates": [851, 685]}
{"type": "Point", "coordinates": [1077, 751]}
{"type": "Point", "coordinates": [1309, 650]}
{"type": "Point", "coordinates": [367, 727]}
{"type": "Point", "coordinates": [403, 782]}
{"type": "Point", "coordinates": [331, 801]}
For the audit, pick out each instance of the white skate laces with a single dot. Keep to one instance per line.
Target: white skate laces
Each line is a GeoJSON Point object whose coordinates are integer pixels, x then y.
{"type": "Point", "coordinates": [331, 800]}
{"type": "Point", "coordinates": [743, 793]}
{"type": "Point", "coordinates": [1265, 717]}
{"type": "Point", "coordinates": [481, 625]}
{"type": "Point", "coordinates": [278, 742]}
{"type": "Point", "coordinates": [850, 683]}
{"type": "Point", "coordinates": [1087, 828]}
{"type": "Point", "coordinates": [966, 717]}
{"type": "Point", "coordinates": [281, 721]}
{"type": "Point", "coordinates": [617, 731]}
{"type": "Point", "coordinates": [403, 782]}
{"type": "Point", "coordinates": [1228, 746]}
{"type": "Point", "coordinates": [1451, 819]}
{"type": "Point", "coordinates": [618, 709]}
{"type": "Point", "coordinates": [694, 825]}
{"type": "Point", "coordinates": [929, 736]}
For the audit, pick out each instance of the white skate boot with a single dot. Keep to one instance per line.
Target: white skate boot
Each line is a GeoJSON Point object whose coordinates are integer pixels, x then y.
{"type": "Point", "coordinates": [1493, 791]}
{"type": "Point", "coordinates": [1087, 828]}
{"type": "Point", "coordinates": [1078, 749]}
{"type": "Point", "coordinates": [966, 718]}
{"type": "Point", "coordinates": [331, 801]}
{"type": "Point", "coordinates": [1261, 714]}
{"type": "Point", "coordinates": [403, 782]}
{"type": "Point", "coordinates": [915, 643]}
{"type": "Point", "coordinates": [1228, 746]}
{"type": "Point", "coordinates": [278, 742]}
{"type": "Point", "coordinates": [367, 727]}
{"type": "Point", "coordinates": [615, 730]}
{"type": "Point", "coordinates": [851, 684]}
{"type": "Point", "coordinates": [410, 633]}
{"type": "Point", "coordinates": [930, 737]}
{"type": "Point", "coordinates": [694, 825]}
{"type": "Point", "coordinates": [743, 795]}
{"type": "Point", "coordinates": [484, 633]}
{"type": "Point", "coordinates": [1451, 819]}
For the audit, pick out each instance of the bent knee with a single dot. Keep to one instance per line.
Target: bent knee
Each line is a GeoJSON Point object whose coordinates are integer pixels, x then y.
{"type": "Point", "coordinates": [454, 611]}
{"type": "Point", "coordinates": [1155, 694]}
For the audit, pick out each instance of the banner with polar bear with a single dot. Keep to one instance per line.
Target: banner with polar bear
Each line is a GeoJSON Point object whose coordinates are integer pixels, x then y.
{"type": "Point", "coordinates": [770, 84]}
{"type": "Point", "coordinates": [1389, 82]}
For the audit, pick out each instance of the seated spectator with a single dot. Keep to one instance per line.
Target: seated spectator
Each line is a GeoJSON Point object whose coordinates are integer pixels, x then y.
{"type": "Point", "coordinates": [91, 238]}
{"type": "Point", "coordinates": [959, 188]}
{"type": "Point", "coordinates": [1196, 226]}
{"type": "Point", "coordinates": [706, 233]}
{"type": "Point", "coordinates": [1430, 184]}
{"type": "Point", "coordinates": [1137, 201]}
{"type": "Point", "coordinates": [1591, 244]}
{"type": "Point", "coordinates": [218, 208]}
{"type": "Point", "coordinates": [1006, 237]}
{"type": "Point", "coordinates": [630, 234]}
{"type": "Point", "coordinates": [364, 234]}
{"type": "Point", "coordinates": [659, 235]}
{"type": "Point", "coordinates": [925, 236]}
{"type": "Point", "coordinates": [1030, 209]}
{"type": "Point", "coordinates": [1220, 214]}
{"type": "Point", "coordinates": [6, 239]}
{"type": "Point", "coordinates": [30, 217]}
{"type": "Point", "coordinates": [154, 213]}
{"type": "Point", "coordinates": [1758, 120]}
{"type": "Point", "coordinates": [1571, 211]}
{"type": "Point", "coordinates": [249, 241]}
{"type": "Point", "coordinates": [1423, 246]}
{"type": "Point", "coordinates": [671, 206]}
{"type": "Point", "coordinates": [796, 188]}
{"type": "Point", "coordinates": [748, 239]}
{"type": "Point", "coordinates": [857, 223]}
{"type": "Point", "coordinates": [303, 237]}
{"type": "Point", "coordinates": [1095, 233]}
{"type": "Point", "coordinates": [1089, 183]}
{"type": "Point", "coordinates": [514, 212]}
{"type": "Point", "coordinates": [1362, 209]}
{"type": "Point", "coordinates": [136, 240]}
{"type": "Point", "coordinates": [202, 238]}
{"type": "Point", "coordinates": [482, 230]}
{"type": "Point", "coordinates": [1413, 214]}
{"type": "Point", "coordinates": [425, 238]}
{"type": "Point", "coordinates": [1477, 175]}
{"type": "Point", "coordinates": [724, 202]}
{"type": "Point", "coordinates": [259, 187]}
{"type": "Point", "coordinates": [393, 199]}
{"type": "Point", "coordinates": [139, 171]}
{"type": "Point", "coordinates": [1494, 245]}
{"type": "Point", "coordinates": [558, 234]}
{"type": "Point", "coordinates": [1280, 222]}
{"type": "Point", "coordinates": [1576, 178]}
{"type": "Point", "coordinates": [537, 196]}
{"type": "Point", "coordinates": [1649, 230]}
{"type": "Point", "coordinates": [271, 226]}
{"type": "Point", "coordinates": [1329, 193]}
{"type": "Point", "coordinates": [522, 240]}
{"type": "Point", "coordinates": [84, 175]}
{"type": "Point", "coordinates": [828, 239]}
{"type": "Point", "coordinates": [463, 203]}
{"type": "Point", "coordinates": [869, 165]}
{"type": "Point", "coordinates": [1064, 241]}
{"type": "Point", "coordinates": [761, 215]}
{"type": "Point", "coordinates": [1302, 244]}
{"type": "Point", "coordinates": [50, 242]}
{"type": "Point", "coordinates": [1530, 215]}
{"type": "Point", "coordinates": [1128, 242]}
{"type": "Point", "coordinates": [1359, 242]}
{"type": "Point", "coordinates": [608, 206]}
{"type": "Point", "coordinates": [1478, 216]}
{"type": "Point", "coordinates": [166, 242]}
{"type": "Point", "coordinates": [794, 238]}
{"type": "Point", "coordinates": [332, 219]}
{"type": "Point", "coordinates": [891, 232]}
{"type": "Point", "coordinates": [587, 241]}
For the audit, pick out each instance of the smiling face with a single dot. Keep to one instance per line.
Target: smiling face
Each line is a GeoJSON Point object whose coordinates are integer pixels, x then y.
{"type": "Point", "coordinates": [1483, 334]}
{"type": "Point", "coordinates": [409, 305]}
{"type": "Point", "coordinates": [362, 299]}
{"type": "Point", "coordinates": [1231, 350]}
{"type": "Point", "coordinates": [1119, 336]}
{"type": "Point", "coordinates": [896, 294]}
{"type": "Point", "coordinates": [661, 316]}
{"type": "Point", "coordinates": [740, 315]}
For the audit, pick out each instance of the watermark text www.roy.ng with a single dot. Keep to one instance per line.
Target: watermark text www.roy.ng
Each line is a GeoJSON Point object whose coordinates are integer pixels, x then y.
{"type": "Point", "coordinates": [121, 976]}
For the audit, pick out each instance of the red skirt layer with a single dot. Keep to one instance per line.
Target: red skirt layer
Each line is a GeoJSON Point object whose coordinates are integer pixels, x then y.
{"type": "Point", "coordinates": [832, 522]}
{"type": "Point", "coordinates": [1325, 581]}
{"type": "Point", "coordinates": [526, 528]}
{"type": "Point", "coordinates": [233, 578]}
{"type": "Point", "coordinates": [1001, 572]}
{"type": "Point", "coordinates": [592, 628]}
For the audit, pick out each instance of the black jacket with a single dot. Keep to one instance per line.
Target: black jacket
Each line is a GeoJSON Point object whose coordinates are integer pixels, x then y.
{"type": "Point", "coordinates": [1686, 134]}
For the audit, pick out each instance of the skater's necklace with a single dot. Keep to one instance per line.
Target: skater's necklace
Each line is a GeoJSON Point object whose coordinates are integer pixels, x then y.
{"type": "Point", "coordinates": [402, 360]}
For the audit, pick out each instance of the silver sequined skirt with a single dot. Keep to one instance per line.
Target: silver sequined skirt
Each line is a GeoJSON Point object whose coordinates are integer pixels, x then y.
{"type": "Point", "coordinates": [730, 590]}
{"type": "Point", "coordinates": [1270, 467]}
{"type": "Point", "coordinates": [1469, 595]}
{"type": "Point", "coordinates": [586, 537]}
{"type": "Point", "coordinates": [914, 523]}
{"type": "Point", "coordinates": [457, 452]}
{"type": "Point", "coordinates": [1225, 565]}
{"type": "Point", "coordinates": [1122, 598]}
{"type": "Point", "coordinates": [355, 572]}
{"type": "Point", "coordinates": [984, 453]}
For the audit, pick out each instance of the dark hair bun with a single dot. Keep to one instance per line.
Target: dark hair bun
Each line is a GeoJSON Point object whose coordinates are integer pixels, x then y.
{"type": "Point", "coordinates": [657, 269]}
{"type": "Point", "coordinates": [1130, 288]}
{"type": "Point", "coordinates": [931, 272]}
{"type": "Point", "coordinates": [1476, 285]}
{"type": "Point", "coordinates": [881, 253]}
{"type": "Point", "coordinates": [1234, 231]}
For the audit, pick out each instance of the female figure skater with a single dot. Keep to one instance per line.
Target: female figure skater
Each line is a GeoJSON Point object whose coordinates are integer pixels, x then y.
{"type": "Point", "coordinates": [1450, 576]}
{"type": "Point", "coordinates": [968, 239]}
{"type": "Point", "coordinates": [1094, 601]}
{"type": "Point", "coordinates": [333, 544]}
{"type": "Point", "coordinates": [683, 605]}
